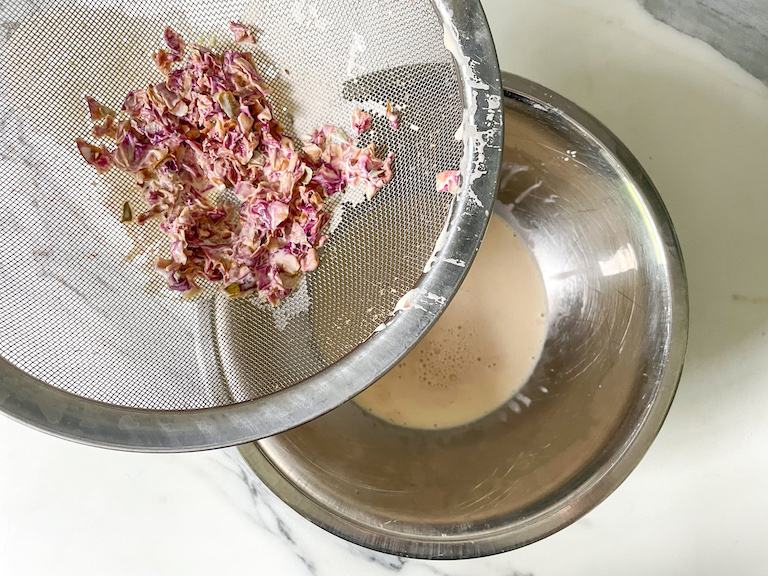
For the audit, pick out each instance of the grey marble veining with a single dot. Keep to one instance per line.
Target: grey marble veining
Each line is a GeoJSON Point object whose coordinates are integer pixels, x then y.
{"type": "Point", "coordinates": [322, 554]}
{"type": "Point", "coordinates": [736, 28]}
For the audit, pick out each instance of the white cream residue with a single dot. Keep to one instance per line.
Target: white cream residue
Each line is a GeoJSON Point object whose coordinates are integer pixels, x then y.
{"type": "Point", "coordinates": [538, 106]}
{"type": "Point", "coordinates": [524, 194]}
{"type": "Point", "coordinates": [451, 44]}
{"type": "Point", "coordinates": [523, 399]}
{"type": "Point", "coordinates": [297, 303]}
{"type": "Point", "coordinates": [474, 140]}
{"type": "Point", "coordinates": [494, 103]}
{"type": "Point", "coordinates": [356, 47]}
{"type": "Point", "coordinates": [336, 204]}
{"type": "Point", "coordinates": [306, 15]}
{"type": "Point", "coordinates": [459, 136]}
{"type": "Point", "coordinates": [440, 244]}
{"type": "Point", "coordinates": [406, 302]}
{"type": "Point", "coordinates": [434, 297]}
{"type": "Point", "coordinates": [409, 300]}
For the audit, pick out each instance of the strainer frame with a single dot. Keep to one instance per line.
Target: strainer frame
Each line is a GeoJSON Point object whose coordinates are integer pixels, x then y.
{"type": "Point", "coordinates": [66, 415]}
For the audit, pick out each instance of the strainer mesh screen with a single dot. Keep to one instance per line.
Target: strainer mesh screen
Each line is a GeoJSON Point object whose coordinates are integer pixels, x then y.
{"type": "Point", "coordinates": [81, 307]}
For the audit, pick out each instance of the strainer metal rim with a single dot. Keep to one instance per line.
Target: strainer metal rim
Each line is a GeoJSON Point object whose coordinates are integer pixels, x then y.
{"type": "Point", "coordinates": [60, 413]}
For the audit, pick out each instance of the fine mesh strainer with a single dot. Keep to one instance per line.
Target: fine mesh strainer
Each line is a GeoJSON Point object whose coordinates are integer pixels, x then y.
{"type": "Point", "coordinates": [95, 348]}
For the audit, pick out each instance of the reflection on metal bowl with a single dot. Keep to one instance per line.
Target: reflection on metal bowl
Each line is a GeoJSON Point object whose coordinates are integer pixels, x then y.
{"type": "Point", "coordinates": [616, 337]}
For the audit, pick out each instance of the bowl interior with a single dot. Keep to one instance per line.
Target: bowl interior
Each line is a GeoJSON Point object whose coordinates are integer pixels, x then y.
{"type": "Point", "coordinates": [616, 329]}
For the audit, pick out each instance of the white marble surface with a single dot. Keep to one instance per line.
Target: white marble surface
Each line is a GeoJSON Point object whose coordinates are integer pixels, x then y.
{"type": "Point", "coordinates": [697, 502]}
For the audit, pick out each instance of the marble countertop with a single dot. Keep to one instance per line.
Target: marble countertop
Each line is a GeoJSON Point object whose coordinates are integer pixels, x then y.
{"type": "Point", "coordinates": [695, 505]}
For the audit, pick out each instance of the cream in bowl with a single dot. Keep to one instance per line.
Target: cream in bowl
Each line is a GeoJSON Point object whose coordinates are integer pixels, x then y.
{"type": "Point", "coordinates": [481, 350]}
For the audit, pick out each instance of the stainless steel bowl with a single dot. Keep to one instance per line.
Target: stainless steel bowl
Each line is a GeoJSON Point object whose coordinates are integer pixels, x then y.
{"type": "Point", "coordinates": [617, 331]}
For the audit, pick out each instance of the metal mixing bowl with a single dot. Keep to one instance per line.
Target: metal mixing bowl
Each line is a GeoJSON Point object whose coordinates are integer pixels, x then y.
{"type": "Point", "coordinates": [617, 331]}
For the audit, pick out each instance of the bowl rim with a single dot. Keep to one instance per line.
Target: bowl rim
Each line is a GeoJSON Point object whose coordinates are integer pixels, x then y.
{"type": "Point", "coordinates": [598, 485]}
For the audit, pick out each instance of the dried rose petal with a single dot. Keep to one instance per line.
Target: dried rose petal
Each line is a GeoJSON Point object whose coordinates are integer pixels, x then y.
{"type": "Point", "coordinates": [97, 156]}
{"type": "Point", "coordinates": [107, 129]}
{"type": "Point", "coordinates": [175, 44]}
{"type": "Point", "coordinates": [361, 121]}
{"type": "Point", "coordinates": [228, 103]}
{"type": "Point", "coordinates": [163, 61]}
{"type": "Point", "coordinates": [209, 125]}
{"type": "Point", "coordinates": [447, 181]}
{"type": "Point", "coordinates": [97, 111]}
{"type": "Point", "coordinates": [240, 33]}
{"type": "Point", "coordinates": [391, 116]}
